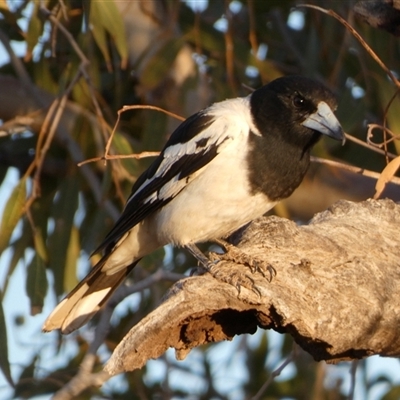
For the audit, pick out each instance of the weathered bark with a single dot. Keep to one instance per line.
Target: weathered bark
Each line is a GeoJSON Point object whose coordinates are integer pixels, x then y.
{"type": "Point", "coordinates": [336, 290]}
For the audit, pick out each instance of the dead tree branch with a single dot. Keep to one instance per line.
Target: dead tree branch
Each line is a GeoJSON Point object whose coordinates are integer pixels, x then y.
{"type": "Point", "coordinates": [336, 290]}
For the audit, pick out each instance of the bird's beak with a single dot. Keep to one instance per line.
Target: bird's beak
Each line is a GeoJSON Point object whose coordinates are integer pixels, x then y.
{"type": "Point", "coordinates": [325, 122]}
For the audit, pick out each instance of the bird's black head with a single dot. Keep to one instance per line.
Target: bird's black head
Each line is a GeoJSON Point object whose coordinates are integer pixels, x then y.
{"type": "Point", "coordinates": [290, 114]}
{"type": "Point", "coordinates": [297, 110]}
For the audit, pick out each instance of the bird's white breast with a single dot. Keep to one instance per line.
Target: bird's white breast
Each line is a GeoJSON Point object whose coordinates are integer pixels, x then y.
{"type": "Point", "coordinates": [218, 200]}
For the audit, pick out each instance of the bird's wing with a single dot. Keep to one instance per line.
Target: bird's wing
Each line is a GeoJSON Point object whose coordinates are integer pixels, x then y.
{"type": "Point", "coordinates": [191, 147]}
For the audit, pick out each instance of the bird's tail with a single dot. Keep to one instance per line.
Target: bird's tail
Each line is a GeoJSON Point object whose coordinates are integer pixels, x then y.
{"type": "Point", "coordinates": [83, 302]}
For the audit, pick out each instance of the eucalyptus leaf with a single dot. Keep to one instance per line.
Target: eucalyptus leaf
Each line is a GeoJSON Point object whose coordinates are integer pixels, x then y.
{"type": "Point", "coordinates": [105, 18]}
{"type": "Point", "coordinates": [36, 284]}
{"type": "Point", "coordinates": [35, 29]}
{"type": "Point", "coordinates": [73, 251]}
{"type": "Point", "coordinates": [161, 62]}
{"type": "Point", "coordinates": [12, 213]}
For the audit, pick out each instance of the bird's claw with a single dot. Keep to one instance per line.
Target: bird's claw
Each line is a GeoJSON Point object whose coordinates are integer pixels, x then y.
{"type": "Point", "coordinates": [237, 280]}
{"type": "Point", "coordinates": [255, 264]}
{"type": "Point", "coordinates": [205, 267]}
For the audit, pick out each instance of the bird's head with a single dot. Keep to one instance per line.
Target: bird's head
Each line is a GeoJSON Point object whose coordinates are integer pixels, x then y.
{"type": "Point", "coordinates": [297, 109]}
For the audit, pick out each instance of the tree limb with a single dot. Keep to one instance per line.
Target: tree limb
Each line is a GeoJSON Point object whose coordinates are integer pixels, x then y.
{"type": "Point", "coordinates": [336, 290]}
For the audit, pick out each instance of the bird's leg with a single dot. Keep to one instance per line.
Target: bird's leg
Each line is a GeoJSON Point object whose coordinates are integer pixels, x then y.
{"type": "Point", "coordinates": [236, 280]}
{"type": "Point", "coordinates": [199, 256]}
{"type": "Point", "coordinates": [233, 253]}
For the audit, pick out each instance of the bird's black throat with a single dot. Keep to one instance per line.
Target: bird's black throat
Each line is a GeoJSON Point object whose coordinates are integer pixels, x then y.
{"type": "Point", "coordinates": [275, 168]}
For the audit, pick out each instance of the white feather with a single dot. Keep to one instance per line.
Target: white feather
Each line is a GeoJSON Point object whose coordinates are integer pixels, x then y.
{"type": "Point", "coordinates": [217, 201]}
{"type": "Point", "coordinates": [84, 309]}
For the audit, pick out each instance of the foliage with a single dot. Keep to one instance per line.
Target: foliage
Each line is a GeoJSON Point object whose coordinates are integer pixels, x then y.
{"type": "Point", "coordinates": [59, 102]}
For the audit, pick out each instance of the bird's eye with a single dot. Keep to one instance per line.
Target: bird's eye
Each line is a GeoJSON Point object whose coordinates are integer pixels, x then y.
{"type": "Point", "coordinates": [298, 101]}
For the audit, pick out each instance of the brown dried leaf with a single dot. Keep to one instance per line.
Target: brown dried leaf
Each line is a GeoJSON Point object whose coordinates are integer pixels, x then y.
{"type": "Point", "coordinates": [386, 175]}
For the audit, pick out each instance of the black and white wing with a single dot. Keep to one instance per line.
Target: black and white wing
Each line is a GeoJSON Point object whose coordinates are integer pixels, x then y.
{"type": "Point", "coordinates": [191, 147]}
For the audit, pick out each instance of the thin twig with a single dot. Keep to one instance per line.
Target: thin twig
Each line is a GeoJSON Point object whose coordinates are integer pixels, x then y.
{"type": "Point", "coordinates": [47, 13]}
{"type": "Point", "coordinates": [144, 154]}
{"type": "Point", "coordinates": [85, 377]}
{"type": "Point", "coordinates": [197, 32]}
{"type": "Point", "coordinates": [282, 29]}
{"type": "Point", "coordinates": [105, 129]}
{"type": "Point", "coordinates": [64, 136]}
{"type": "Point", "coordinates": [138, 156]}
{"type": "Point", "coordinates": [357, 36]}
{"type": "Point", "coordinates": [370, 135]}
{"type": "Point", "coordinates": [126, 108]}
{"type": "Point", "coordinates": [343, 50]}
{"type": "Point", "coordinates": [155, 108]}
{"type": "Point", "coordinates": [45, 138]}
{"type": "Point", "coordinates": [291, 357]}
{"type": "Point", "coordinates": [102, 328]}
{"type": "Point", "coordinates": [229, 46]}
{"type": "Point", "coordinates": [351, 168]}
{"type": "Point", "coordinates": [158, 276]}
{"type": "Point", "coordinates": [252, 28]}
{"type": "Point", "coordinates": [369, 146]}
{"type": "Point", "coordinates": [16, 62]}
{"type": "Point", "coordinates": [83, 66]}
{"type": "Point", "coordinates": [19, 123]}
{"type": "Point", "coordinates": [353, 371]}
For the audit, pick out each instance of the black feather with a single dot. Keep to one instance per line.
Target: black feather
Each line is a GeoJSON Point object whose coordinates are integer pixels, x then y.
{"type": "Point", "coordinates": [137, 208]}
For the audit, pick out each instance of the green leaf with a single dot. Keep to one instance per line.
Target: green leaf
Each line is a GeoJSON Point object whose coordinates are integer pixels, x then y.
{"type": "Point", "coordinates": [43, 76]}
{"type": "Point", "coordinates": [393, 115]}
{"type": "Point", "coordinates": [73, 252]}
{"type": "Point", "coordinates": [4, 363]}
{"type": "Point", "coordinates": [9, 22]}
{"type": "Point", "coordinates": [105, 18]}
{"type": "Point", "coordinates": [27, 387]}
{"type": "Point", "coordinates": [36, 284]}
{"type": "Point", "coordinates": [40, 245]}
{"type": "Point", "coordinates": [100, 38]}
{"type": "Point", "coordinates": [122, 146]}
{"type": "Point", "coordinates": [35, 29]}
{"type": "Point", "coordinates": [211, 40]}
{"type": "Point", "coordinates": [64, 209]}
{"type": "Point", "coordinates": [18, 252]}
{"type": "Point", "coordinates": [160, 64]}
{"type": "Point", "coordinates": [12, 213]}
{"type": "Point", "coordinates": [392, 394]}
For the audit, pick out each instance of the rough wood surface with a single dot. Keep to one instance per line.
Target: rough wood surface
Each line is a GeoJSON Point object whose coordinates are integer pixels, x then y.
{"type": "Point", "coordinates": [336, 290]}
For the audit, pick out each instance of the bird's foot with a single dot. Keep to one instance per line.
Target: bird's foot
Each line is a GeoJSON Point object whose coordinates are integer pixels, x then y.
{"type": "Point", "coordinates": [204, 263]}
{"type": "Point", "coordinates": [233, 253]}
{"type": "Point", "coordinates": [238, 280]}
